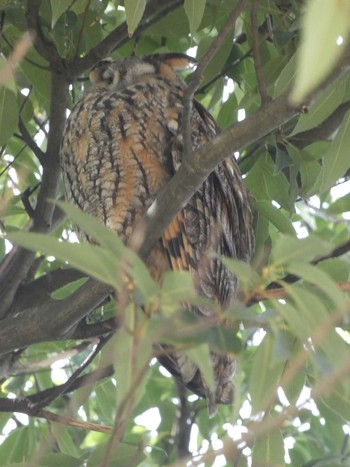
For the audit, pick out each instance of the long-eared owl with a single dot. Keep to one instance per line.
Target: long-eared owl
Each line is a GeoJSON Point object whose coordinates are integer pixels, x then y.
{"type": "Point", "coordinates": [122, 144]}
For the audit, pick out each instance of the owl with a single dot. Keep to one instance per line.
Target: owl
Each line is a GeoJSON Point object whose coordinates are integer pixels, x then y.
{"type": "Point", "coordinates": [122, 144]}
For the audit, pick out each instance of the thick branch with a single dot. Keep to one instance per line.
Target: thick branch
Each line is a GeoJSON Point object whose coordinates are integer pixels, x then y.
{"type": "Point", "coordinates": [15, 267]}
{"type": "Point", "coordinates": [51, 167]}
{"type": "Point", "coordinates": [35, 293]}
{"type": "Point", "coordinates": [54, 320]}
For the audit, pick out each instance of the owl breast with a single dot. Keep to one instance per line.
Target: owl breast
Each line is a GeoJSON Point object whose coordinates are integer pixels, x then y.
{"type": "Point", "coordinates": [116, 153]}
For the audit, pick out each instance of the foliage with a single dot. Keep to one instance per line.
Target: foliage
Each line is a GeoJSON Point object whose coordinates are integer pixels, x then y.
{"type": "Point", "coordinates": [112, 404]}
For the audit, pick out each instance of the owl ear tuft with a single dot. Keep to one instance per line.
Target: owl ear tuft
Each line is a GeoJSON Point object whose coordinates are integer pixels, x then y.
{"type": "Point", "coordinates": [177, 61]}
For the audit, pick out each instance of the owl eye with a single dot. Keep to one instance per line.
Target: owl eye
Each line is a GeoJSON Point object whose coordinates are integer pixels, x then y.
{"type": "Point", "coordinates": [109, 75]}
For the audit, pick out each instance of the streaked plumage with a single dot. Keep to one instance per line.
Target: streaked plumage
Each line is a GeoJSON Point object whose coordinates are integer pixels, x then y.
{"type": "Point", "coordinates": [121, 145]}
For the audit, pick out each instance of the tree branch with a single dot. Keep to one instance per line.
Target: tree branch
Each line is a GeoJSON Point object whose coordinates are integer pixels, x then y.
{"type": "Point", "coordinates": [323, 130]}
{"type": "Point", "coordinates": [36, 293]}
{"type": "Point", "coordinates": [183, 425]}
{"type": "Point", "coordinates": [155, 10]}
{"type": "Point", "coordinates": [26, 138]}
{"type": "Point", "coordinates": [53, 320]}
{"type": "Point", "coordinates": [64, 388]}
{"type": "Point", "coordinates": [14, 268]}
{"type": "Point", "coordinates": [22, 406]}
{"type": "Point", "coordinates": [291, 278]}
{"type": "Point", "coordinates": [46, 48]}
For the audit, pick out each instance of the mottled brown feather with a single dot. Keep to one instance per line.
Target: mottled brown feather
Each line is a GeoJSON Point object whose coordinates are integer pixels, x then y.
{"type": "Point", "coordinates": [122, 144]}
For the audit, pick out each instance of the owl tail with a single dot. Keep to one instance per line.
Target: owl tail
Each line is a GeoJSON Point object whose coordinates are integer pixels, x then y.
{"type": "Point", "coordinates": [188, 374]}
{"type": "Point", "coordinates": [221, 395]}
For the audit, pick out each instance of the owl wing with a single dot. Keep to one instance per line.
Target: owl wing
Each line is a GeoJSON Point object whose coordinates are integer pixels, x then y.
{"type": "Point", "coordinates": [216, 219]}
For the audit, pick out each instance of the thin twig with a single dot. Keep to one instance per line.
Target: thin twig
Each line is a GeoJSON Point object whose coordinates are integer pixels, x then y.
{"type": "Point", "coordinates": [67, 421]}
{"type": "Point", "coordinates": [65, 387]}
{"type": "Point", "coordinates": [291, 278]}
{"type": "Point", "coordinates": [224, 72]}
{"type": "Point", "coordinates": [26, 138]}
{"type": "Point", "coordinates": [256, 54]}
{"type": "Point", "coordinates": [197, 77]}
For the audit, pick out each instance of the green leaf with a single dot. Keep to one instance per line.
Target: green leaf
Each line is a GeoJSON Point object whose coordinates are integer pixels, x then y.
{"type": "Point", "coordinates": [323, 23]}
{"type": "Point", "coordinates": [286, 77]}
{"type": "Point", "coordinates": [248, 278]}
{"type": "Point", "coordinates": [19, 444]}
{"type": "Point", "coordinates": [41, 81]}
{"type": "Point", "coordinates": [265, 184]}
{"type": "Point", "coordinates": [194, 11]}
{"type": "Point", "coordinates": [320, 279]}
{"type": "Point", "coordinates": [89, 259]}
{"type": "Point", "coordinates": [224, 340]}
{"type": "Point", "coordinates": [174, 25]}
{"type": "Point", "coordinates": [147, 287]}
{"type": "Point", "coordinates": [10, 84]}
{"type": "Point", "coordinates": [269, 450]}
{"type": "Point", "coordinates": [106, 400]}
{"type": "Point", "coordinates": [57, 9]}
{"type": "Point", "coordinates": [177, 287]}
{"type": "Point", "coordinates": [264, 375]}
{"type": "Point", "coordinates": [312, 312]}
{"type": "Point", "coordinates": [338, 399]}
{"type": "Point", "coordinates": [65, 441]}
{"type": "Point", "coordinates": [200, 355]}
{"type": "Point", "coordinates": [134, 10]}
{"type": "Point", "coordinates": [124, 455]}
{"type": "Point", "coordinates": [8, 114]}
{"type": "Point", "coordinates": [294, 387]}
{"type": "Point", "coordinates": [328, 101]}
{"type": "Point", "coordinates": [338, 269]}
{"type": "Point", "coordinates": [340, 206]}
{"type": "Point", "coordinates": [336, 161]}
{"type": "Point", "coordinates": [59, 459]}
{"type": "Point", "coordinates": [290, 249]}
{"type": "Point", "coordinates": [95, 229]}
{"type": "Point", "coordinates": [6, 3]}
{"type": "Point", "coordinates": [130, 355]}
{"type": "Point", "coordinates": [68, 289]}
{"type": "Point", "coordinates": [274, 215]}
{"type": "Point", "coordinates": [228, 114]}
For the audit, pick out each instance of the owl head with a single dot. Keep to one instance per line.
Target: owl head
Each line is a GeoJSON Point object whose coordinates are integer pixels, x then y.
{"type": "Point", "coordinates": [118, 74]}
